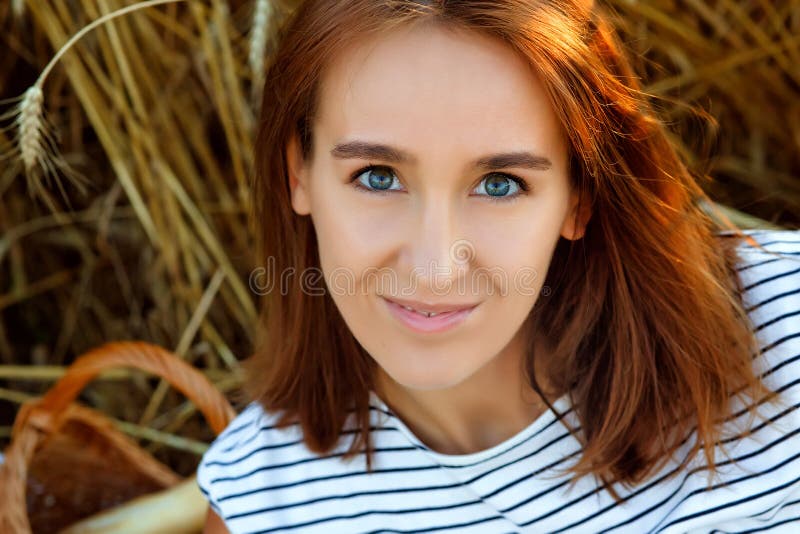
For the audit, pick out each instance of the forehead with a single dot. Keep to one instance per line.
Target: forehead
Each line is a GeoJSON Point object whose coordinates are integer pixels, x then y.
{"type": "Point", "coordinates": [430, 85]}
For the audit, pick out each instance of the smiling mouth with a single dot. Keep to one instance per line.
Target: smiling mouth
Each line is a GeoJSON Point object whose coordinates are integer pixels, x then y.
{"type": "Point", "coordinates": [430, 322]}
{"type": "Point", "coordinates": [425, 313]}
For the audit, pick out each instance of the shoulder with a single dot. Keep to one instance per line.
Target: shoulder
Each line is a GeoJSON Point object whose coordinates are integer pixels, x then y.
{"type": "Point", "coordinates": [771, 251]}
{"type": "Point", "coordinates": [770, 283]}
{"type": "Point", "coordinates": [763, 470]}
{"type": "Point", "coordinates": [757, 482]}
{"type": "Point", "coordinates": [257, 475]}
{"type": "Point", "coordinates": [235, 453]}
{"type": "Point", "coordinates": [770, 279]}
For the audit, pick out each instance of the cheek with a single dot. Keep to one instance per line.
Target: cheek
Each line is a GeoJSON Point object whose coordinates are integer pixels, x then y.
{"type": "Point", "coordinates": [355, 249]}
{"type": "Point", "coordinates": [519, 246]}
{"type": "Point", "coordinates": [358, 234]}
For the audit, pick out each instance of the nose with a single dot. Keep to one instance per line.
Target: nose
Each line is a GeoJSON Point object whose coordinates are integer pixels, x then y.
{"type": "Point", "coordinates": [440, 253]}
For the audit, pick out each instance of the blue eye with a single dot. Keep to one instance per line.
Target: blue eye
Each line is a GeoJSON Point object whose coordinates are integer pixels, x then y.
{"type": "Point", "coordinates": [496, 185]}
{"type": "Point", "coordinates": [378, 179]}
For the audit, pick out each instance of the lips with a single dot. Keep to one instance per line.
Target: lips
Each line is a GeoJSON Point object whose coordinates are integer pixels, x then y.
{"type": "Point", "coordinates": [423, 321]}
{"type": "Point", "coordinates": [430, 309]}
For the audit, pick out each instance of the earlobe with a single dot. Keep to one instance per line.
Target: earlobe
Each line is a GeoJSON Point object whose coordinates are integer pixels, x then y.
{"type": "Point", "coordinates": [298, 179]}
{"type": "Point", "coordinates": [576, 220]}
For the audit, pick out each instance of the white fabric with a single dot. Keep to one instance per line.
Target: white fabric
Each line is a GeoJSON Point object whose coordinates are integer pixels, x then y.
{"type": "Point", "coordinates": [261, 479]}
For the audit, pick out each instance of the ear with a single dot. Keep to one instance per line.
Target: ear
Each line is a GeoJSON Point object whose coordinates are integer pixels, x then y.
{"type": "Point", "coordinates": [577, 218]}
{"type": "Point", "coordinates": [298, 177]}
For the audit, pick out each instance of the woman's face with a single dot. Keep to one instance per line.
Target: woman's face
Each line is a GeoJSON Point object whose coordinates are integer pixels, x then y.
{"type": "Point", "coordinates": [465, 203]}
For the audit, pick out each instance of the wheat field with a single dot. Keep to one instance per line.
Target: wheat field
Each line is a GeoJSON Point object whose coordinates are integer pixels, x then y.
{"type": "Point", "coordinates": [125, 168]}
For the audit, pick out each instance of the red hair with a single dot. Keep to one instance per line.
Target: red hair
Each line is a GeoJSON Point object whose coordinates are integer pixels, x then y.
{"type": "Point", "coordinates": [644, 326]}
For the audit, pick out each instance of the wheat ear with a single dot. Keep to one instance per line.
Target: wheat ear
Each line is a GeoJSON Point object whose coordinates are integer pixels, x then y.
{"type": "Point", "coordinates": [36, 146]}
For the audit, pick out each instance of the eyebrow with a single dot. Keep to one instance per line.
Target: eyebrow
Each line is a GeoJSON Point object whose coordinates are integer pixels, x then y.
{"type": "Point", "coordinates": [365, 150]}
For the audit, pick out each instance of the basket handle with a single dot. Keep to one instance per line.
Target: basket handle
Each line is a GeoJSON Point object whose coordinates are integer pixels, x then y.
{"type": "Point", "coordinates": [42, 416]}
{"type": "Point", "coordinates": [140, 355]}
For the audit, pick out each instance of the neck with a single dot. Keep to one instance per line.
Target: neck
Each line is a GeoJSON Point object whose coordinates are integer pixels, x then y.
{"type": "Point", "coordinates": [489, 407]}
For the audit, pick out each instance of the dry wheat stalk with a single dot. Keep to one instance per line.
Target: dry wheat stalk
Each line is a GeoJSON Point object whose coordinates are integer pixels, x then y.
{"type": "Point", "coordinates": [258, 45]}
{"type": "Point", "coordinates": [18, 8]}
{"type": "Point", "coordinates": [35, 144]}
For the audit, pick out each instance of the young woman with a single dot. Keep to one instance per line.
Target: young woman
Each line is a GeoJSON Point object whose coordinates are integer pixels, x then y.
{"type": "Point", "coordinates": [491, 299]}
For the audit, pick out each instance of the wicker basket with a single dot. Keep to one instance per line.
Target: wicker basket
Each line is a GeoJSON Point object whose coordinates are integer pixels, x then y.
{"type": "Point", "coordinates": [67, 462]}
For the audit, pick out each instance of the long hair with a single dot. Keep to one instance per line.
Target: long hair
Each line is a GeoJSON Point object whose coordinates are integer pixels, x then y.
{"type": "Point", "coordinates": [644, 326]}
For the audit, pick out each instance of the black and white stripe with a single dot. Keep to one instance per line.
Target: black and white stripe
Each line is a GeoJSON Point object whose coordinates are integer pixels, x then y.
{"type": "Point", "coordinates": [261, 479]}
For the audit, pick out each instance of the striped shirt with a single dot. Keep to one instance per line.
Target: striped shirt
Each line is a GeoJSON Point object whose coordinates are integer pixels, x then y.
{"type": "Point", "coordinates": [262, 479]}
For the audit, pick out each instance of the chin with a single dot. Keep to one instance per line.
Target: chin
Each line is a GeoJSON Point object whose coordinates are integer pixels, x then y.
{"type": "Point", "coordinates": [427, 377]}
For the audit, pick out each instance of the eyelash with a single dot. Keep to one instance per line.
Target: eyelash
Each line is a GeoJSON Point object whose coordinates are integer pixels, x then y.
{"type": "Point", "coordinates": [506, 199]}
